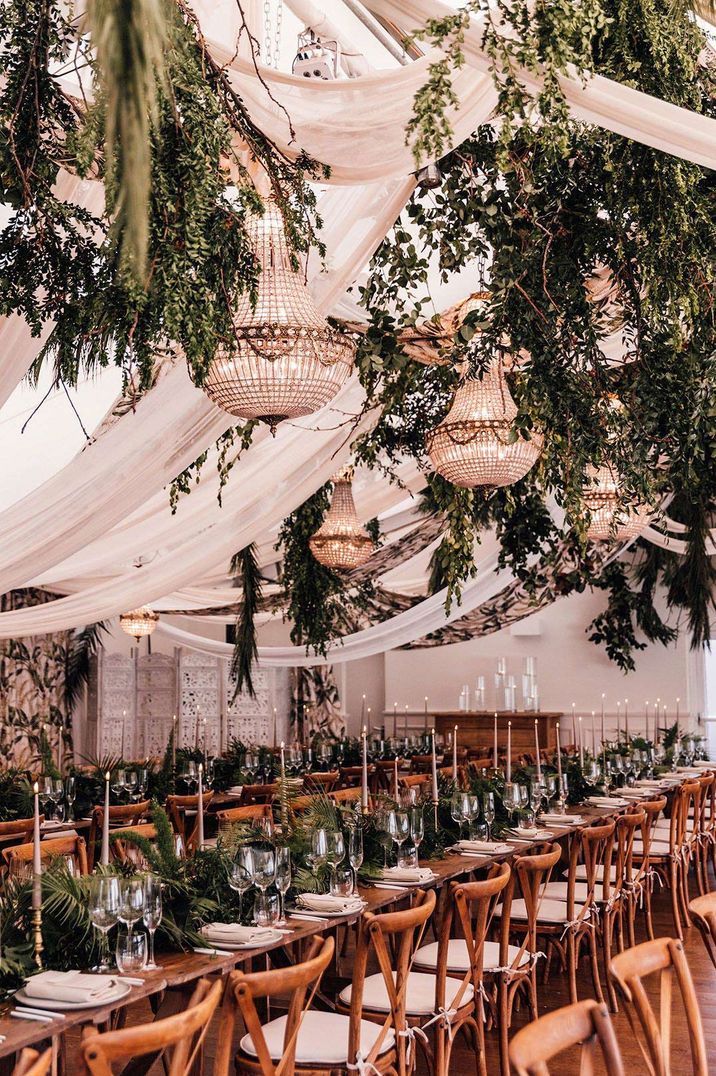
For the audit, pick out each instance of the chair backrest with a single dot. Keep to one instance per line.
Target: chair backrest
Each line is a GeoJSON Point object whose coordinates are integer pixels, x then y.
{"type": "Point", "coordinates": [255, 812]}
{"type": "Point", "coordinates": [19, 831]}
{"type": "Point", "coordinates": [585, 1025]}
{"type": "Point", "coordinates": [703, 913]}
{"type": "Point", "coordinates": [593, 846]}
{"type": "Point", "coordinates": [72, 849]}
{"type": "Point", "coordinates": [183, 814]}
{"type": "Point", "coordinates": [346, 795]}
{"type": "Point", "coordinates": [351, 776]}
{"type": "Point", "coordinates": [684, 815]}
{"type": "Point", "coordinates": [418, 781]}
{"type": "Point", "coordinates": [531, 873]}
{"type": "Point", "coordinates": [321, 782]}
{"type": "Point", "coordinates": [30, 1063]}
{"type": "Point", "coordinates": [666, 958]}
{"type": "Point", "coordinates": [243, 990]}
{"type": "Point", "coordinates": [258, 794]}
{"type": "Point", "coordinates": [421, 764]}
{"type": "Point", "coordinates": [475, 904]}
{"type": "Point", "coordinates": [184, 1032]}
{"type": "Point", "coordinates": [391, 938]}
{"type": "Point", "coordinates": [702, 814]}
{"type": "Point", "coordinates": [626, 876]}
{"type": "Point", "coordinates": [122, 814]}
{"type": "Point", "coordinates": [125, 851]}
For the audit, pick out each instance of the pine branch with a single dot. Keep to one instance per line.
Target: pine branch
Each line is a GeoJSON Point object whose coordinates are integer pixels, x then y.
{"type": "Point", "coordinates": [245, 567]}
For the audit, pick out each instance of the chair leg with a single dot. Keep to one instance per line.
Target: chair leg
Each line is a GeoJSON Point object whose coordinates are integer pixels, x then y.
{"type": "Point", "coordinates": [648, 883]}
{"type": "Point", "coordinates": [594, 961]}
{"type": "Point", "coordinates": [683, 875]}
{"type": "Point", "coordinates": [503, 1025]}
{"type": "Point", "coordinates": [630, 909]}
{"type": "Point", "coordinates": [572, 967]}
{"type": "Point", "coordinates": [607, 932]}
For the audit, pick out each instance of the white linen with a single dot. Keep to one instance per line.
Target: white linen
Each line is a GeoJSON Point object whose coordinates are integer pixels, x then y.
{"type": "Point", "coordinates": [73, 986]}
{"type": "Point", "coordinates": [327, 902]}
{"type": "Point", "coordinates": [236, 934]}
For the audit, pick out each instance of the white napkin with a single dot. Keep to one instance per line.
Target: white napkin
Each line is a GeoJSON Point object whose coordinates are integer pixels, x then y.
{"type": "Point", "coordinates": [491, 847]}
{"type": "Point", "coordinates": [70, 986]}
{"type": "Point", "coordinates": [408, 874]}
{"type": "Point", "coordinates": [563, 819]}
{"type": "Point", "coordinates": [606, 801]}
{"type": "Point", "coordinates": [236, 934]}
{"type": "Point", "coordinates": [327, 902]}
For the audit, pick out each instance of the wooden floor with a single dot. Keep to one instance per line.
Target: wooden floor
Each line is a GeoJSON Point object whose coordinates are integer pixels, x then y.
{"type": "Point", "coordinates": [552, 996]}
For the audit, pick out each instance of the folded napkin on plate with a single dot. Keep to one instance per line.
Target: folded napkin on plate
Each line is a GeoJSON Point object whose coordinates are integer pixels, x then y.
{"type": "Point", "coordinates": [236, 934]}
{"type": "Point", "coordinates": [562, 819]}
{"type": "Point", "coordinates": [408, 874]}
{"type": "Point", "coordinates": [606, 801]}
{"type": "Point", "coordinates": [70, 986]}
{"type": "Point", "coordinates": [326, 902]}
{"type": "Point", "coordinates": [489, 847]}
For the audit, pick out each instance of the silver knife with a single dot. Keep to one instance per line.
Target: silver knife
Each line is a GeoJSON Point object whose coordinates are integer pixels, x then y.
{"type": "Point", "coordinates": [19, 1015]}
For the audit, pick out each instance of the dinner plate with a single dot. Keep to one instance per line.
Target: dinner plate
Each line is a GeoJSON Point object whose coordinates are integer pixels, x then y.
{"type": "Point", "coordinates": [120, 991]}
{"type": "Point", "coordinates": [230, 947]}
{"type": "Point", "coordinates": [300, 910]}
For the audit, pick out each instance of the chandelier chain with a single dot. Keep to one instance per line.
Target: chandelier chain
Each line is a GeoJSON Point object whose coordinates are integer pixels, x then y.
{"type": "Point", "coordinates": [272, 34]}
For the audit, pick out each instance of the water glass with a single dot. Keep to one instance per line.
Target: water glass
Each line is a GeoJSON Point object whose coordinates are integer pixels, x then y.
{"type": "Point", "coordinates": [342, 880]}
{"type": "Point", "coordinates": [267, 909]}
{"type": "Point", "coordinates": [103, 908]}
{"type": "Point", "coordinates": [152, 913]}
{"type": "Point", "coordinates": [131, 953]}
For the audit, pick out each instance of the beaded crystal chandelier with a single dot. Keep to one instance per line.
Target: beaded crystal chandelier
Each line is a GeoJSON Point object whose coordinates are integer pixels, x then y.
{"type": "Point", "coordinates": [139, 622]}
{"type": "Point", "coordinates": [285, 359]}
{"type": "Point", "coordinates": [608, 517]}
{"type": "Point", "coordinates": [340, 541]}
{"type": "Point", "coordinates": [475, 444]}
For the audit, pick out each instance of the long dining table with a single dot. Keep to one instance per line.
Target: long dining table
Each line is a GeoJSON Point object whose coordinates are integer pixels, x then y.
{"type": "Point", "coordinates": [181, 969]}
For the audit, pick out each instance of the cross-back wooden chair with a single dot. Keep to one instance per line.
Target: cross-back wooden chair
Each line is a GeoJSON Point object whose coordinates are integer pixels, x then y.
{"type": "Point", "coordinates": [417, 783]}
{"type": "Point", "coordinates": [254, 813]}
{"type": "Point", "coordinates": [180, 1037]}
{"type": "Point", "coordinates": [510, 970]}
{"type": "Point", "coordinates": [72, 849]}
{"type": "Point", "coordinates": [476, 765]}
{"type": "Point", "coordinates": [32, 1063]}
{"type": "Point", "coordinates": [258, 794]}
{"type": "Point", "coordinates": [704, 830]}
{"type": "Point", "coordinates": [19, 831]}
{"type": "Point", "coordinates": [665, 958]}
{"type": "Point", "coordinates": [703, 913]}
{"type": "Point", "coordinates": [421, 764]}
{"type": "Point", "coordinates": [346, 796]}
{"type": "Point", "coordinates": [315, 1041]}
{"type": "Point", "coordinates": [351, 776]}
{"type": "Point", "coordinates": [669, 853]}
{"type": "Point", "coordinates": [567, 916]}
{"type": "Point", "coordinates": [183, 813]}
{"type": "Point", "coordinates": [462, 958]}
{"type": "Point", "coordinates": [644, 881]}
{"type": "Point", "coordinates": [123, 849]}
{"type": "Point", "coordinates": [395, 997]}
{"type": "Point", "coordinates": [585, 1026]}
{"type": "Point", "coordinates": [125, 814]}
{"type": "Point", "coordinates": [321, 782]}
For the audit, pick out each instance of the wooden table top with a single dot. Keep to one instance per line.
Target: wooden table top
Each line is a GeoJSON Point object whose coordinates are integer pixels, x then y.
{"type": "Point", "coordinates": [181, 968]}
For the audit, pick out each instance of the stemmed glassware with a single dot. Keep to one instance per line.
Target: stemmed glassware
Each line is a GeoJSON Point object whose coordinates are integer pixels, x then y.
{"type": "Point", "coordinates": [152, 914]}
{"type": "Point", "coordinates": [103, 907]}
{"type": "Point", "coordinates": [318, 855]}
{"type": "Point", "coordinates": [131, 783]}
{"type": "Point", "coordinates": [355, 852]}
{"type": "Point", "coordinates": [241, 873]}
{"type": "Point", "coordinates": [457, 810]}
{"type": "Point", "coordinates": [58, 796]}
{"type": "Point", "coordinates": [283, 879]}
{"type": "Point", "coordinates": [70, 796]}
{"type": "Point", "coordinates": [511, 799]}
{"type": "Point", "coordinates": [131, 901]}
{"type": "Point", "coordinates": [417, 829]}
{"type": "Point", "coordinates": [119, 783]}
{"type": "Point", "coordinates": [336, 851]}
{"type": "Point", "coordinates": [488, 811]}
{"type": "Point", "coordinates": [399, 829]}
{"type": "Point", "coordinates": [473, 810]}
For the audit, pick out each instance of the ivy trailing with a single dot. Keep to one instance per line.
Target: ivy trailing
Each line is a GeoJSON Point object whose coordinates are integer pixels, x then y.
{"type": "Point", "coordinates": [245, 568]}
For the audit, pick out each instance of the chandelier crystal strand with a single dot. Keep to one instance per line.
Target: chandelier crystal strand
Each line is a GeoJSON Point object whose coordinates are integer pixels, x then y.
{"type": "Point", "coordinates": [341, 542]}
{"type": "Point", "coordinates": [475, 444]}
{"type": "Point", "coordinates": [139, 622]}
{"type": "Point", "coordinates": [609, 518]}
{"type": "Point", "coordinates": [285, 360]}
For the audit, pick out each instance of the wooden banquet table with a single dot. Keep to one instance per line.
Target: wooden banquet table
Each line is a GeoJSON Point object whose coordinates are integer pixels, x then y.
{"type": "Point", "coordinates": [183, 969]}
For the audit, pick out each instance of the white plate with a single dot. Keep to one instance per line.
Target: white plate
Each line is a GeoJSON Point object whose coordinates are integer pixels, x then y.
{"type": "Point", "coordinates": [229, 947]}
{"type": "Point", "coordinates": [120, 991]}
{"type": "Point", "coordinates": [300, 910]}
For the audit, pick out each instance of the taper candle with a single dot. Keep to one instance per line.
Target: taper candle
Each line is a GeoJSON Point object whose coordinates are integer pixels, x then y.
{"type": "Point", "coordinates": [539, 761]}
{"type": "Point", "coordinates": [426, 714]}
{"type": "Point", "coordinates": [626, 720]}
{"type": "Point", "coordinates": [104, 856]}
{"type": "Point", "coordinates": [494, 745]}
{"type": "Point", "coordinates": [559, 760]}
{"type": "Point", "coordinates": [395, 780]}
{"type": "Point", "coordinates": [594, 737]}
{"type": "Point", "coordinates": [646, 720]}
{"type": "Point", "coordinates": [509, 752]}
{"type": "Point", "coordinates": [200, 807]}
{"type": "Point", "coordinates": [174, 742]}
{"type": "Point", "coordinates": [619, 724]}
{"type": "Point", "coordinates": [602, 718]}
{"type": "Point", "coordinates": [435, 767]}
{"type": "Point", "coordinates": [395, 720]}
{"type": "Point", "coordinates": [124, 725]}
{"type": "Point", "coordinates": [406, 721]}
{"type": "Point", "coordinates": [362, 711]}
{"type": "Point", "coordinates": [581, 744]}
{"type": "Point", "coordinates": [364, 781]}
{"type": "Point", "coordinates": [36, 854]}
{"type": "Point", "coordinates": [454, 755]}
{"type": "Point", "coordinates": [574, 723]}
{"type": "Point", "coordinates": [275, 723]}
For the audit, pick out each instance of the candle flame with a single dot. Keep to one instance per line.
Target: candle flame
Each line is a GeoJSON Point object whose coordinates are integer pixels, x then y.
{"type": "Point", "coordinates": [107, 776]}
{"type": "Point", "coordinates": [201, 768]}
{"type": "Point", "coordinates": [282, 745]}
{"type": "Point", "coordinates": [36, 788]}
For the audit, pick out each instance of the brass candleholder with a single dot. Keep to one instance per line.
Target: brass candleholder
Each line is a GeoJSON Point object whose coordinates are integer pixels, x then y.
{"type": "Point", "coordinates": [37, 936]}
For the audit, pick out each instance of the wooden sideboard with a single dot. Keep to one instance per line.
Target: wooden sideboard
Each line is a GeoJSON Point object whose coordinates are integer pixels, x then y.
{"type": "Point", "coordinates": [476, 728]}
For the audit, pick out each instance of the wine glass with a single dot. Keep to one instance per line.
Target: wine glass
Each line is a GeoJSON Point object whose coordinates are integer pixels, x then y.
{"type": "Point", "coordinates": [488, 811]}
{"type": "Point", "coordinates": [103, 907]}
{"type": "Point", "coordinates": [152, 914]}
{"type": "Point", "coordinates": [47, 797]}
{"type": "Point", "coordinates": [336, 850]}
{"type": "Point", "coordinates": [457, 811]}
{"type": "Point", "coordinates": [131, 952]}
{"type": "Point", "coordinates": [142, 782]}
{"type": "Point", "coordinates": [131, 782]}
{"type": "Point", "coordinates": [58, 794]}
{"type": "Point", "coordinates": [241, 873]}
{"type": "Point", "coordinates": [417, 829]}
{"type": "Point", "coordinates": [283, 878]}
{"type": "Point", "coordinates": [131, 900]}
{"type": "Point", "coordinates": [70, 797]}
{"type": "Point", "coordinates": [399, 829]}
{"type": "Point", "coordinates": [473, 810]}
{"type": "Point", "coordinates": [355, 852]}
{"type": "Point", "coordinates": [510, 799]}
{"type": "Point", "coordinates": [318, 855]}
{"type": "Point", "coordinates": [264, 867]}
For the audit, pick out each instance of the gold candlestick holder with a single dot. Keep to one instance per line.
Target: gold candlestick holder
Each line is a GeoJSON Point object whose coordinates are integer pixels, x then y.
{"type": "Point", "coordinates": [37, 936]}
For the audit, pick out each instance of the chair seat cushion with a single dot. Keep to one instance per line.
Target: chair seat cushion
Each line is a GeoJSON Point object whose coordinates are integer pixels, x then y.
{"type": "Point", "coordinates": [581, 873]}
{"type": "Point", "coordinates": [558, 891]}
{"type": "Point", "coordinates": [458, 959]}
{"type": "Point", "coordinates": [550, 911]}
{"type": "Point", "coordinates": [322, 1038]}
{"type": "Point", "coordinates": [419, 996]}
